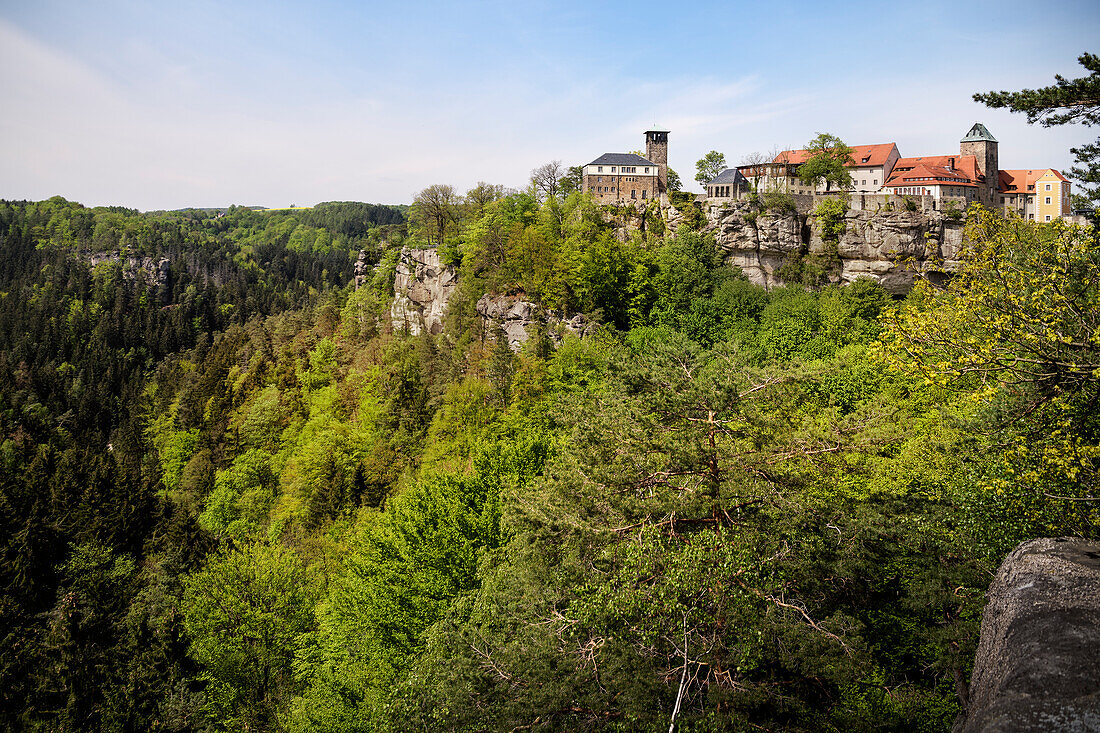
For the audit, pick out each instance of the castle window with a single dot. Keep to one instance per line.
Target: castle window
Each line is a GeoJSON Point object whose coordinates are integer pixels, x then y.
{"type": "Point", "coordinates": [1047, 187]}
{"type": "Point", "coordinates": [599, 169]}
{"type": "Point", "coordinates": [643, 193]}
{"type": "Point", "coordinates": [1048, 217]}
{"type": "Point", "coordinates": [647, 170]}
{"type": "Point", "coordinates": [1048, 199]}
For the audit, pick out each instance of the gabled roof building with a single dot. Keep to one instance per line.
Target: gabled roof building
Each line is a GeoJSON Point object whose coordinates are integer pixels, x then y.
{"type": "Point", "coordinates": [729, 184]}
{"type": "Point", "coordinates": [1041, 194]}
{"type": "Point", "coordinates": [870, 166]}
{"type": "Point", "coordinates": [937, 176]}
{"type": "Point", "coordinates": [629, 177]}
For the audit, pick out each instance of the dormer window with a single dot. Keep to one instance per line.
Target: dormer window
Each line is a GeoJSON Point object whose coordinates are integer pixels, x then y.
{"type": "Point", "coordinates": [867, 159]}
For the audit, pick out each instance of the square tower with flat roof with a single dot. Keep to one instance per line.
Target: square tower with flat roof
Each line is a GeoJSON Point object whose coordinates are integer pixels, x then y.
{"type": "Point", "coordinates": [656, 150]}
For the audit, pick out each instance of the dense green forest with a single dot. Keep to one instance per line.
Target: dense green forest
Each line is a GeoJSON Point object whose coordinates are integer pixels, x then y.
{"type": "Point", "coordinates": [233, 498]}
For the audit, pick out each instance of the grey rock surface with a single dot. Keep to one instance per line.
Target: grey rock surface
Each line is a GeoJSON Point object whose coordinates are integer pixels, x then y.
{"type": "Point", "coordinates": [517, 316]}
{"type": "Point", "coordinates": [892, 247]}
{"type": "Point", "coordinates": [1037, 667]}
{"type": "Point", "coordinates": [422, 287]}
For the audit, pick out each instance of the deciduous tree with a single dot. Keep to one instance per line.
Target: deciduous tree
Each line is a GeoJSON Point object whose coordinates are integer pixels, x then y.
{"type": "Point", "coordinates": [709, 166]}
{"type": "Point", "coordinates": [547, 179]}
{"type": "Point", "coordinates": [436, 208]}
{"type": "Point", "coordinates": [828, 162]}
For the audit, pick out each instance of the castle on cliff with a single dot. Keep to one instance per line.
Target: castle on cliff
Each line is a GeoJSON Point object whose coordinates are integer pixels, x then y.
{"type": "Point", "coordinates": [971, 175]}
{"type": "Point", "coordinates": [629, 177]}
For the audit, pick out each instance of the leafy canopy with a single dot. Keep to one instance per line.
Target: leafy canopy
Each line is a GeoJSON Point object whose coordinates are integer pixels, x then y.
{"type": "Point", "coordinates": [1066, 101]}
{"type": "Point", "coordinates": [828, 162]}
{"type": "Point", "coordinates": [709, 166]}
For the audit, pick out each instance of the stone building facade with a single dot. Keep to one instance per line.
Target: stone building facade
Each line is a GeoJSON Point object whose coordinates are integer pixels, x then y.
{"type": "Point", "coordinates": [983, 146]}
{"type": "Point", "coordinates": [629, 178]}
{"type": "Point", "coordinates": [621, 178]}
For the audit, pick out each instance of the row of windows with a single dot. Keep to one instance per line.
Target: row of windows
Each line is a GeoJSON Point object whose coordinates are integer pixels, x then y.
{"type": "Point", "coordinates": [633, 191]}
{"type": "Point", "coordinates": [623, 169]}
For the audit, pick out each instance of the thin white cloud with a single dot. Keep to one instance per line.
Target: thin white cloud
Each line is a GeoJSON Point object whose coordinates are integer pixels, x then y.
{"type": "Point", "coordinates": [171, 134]}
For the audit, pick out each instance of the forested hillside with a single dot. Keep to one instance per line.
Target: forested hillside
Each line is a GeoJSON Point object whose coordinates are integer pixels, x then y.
{"type": "Point", "coordinates": [233, 498]}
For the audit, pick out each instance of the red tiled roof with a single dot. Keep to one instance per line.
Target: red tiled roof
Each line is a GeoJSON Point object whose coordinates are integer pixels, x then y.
{"type": "Point", "coordinates": [965, 164]}
{"type": "Point", "coordinates": [924, 174]}
{"type": "Point", "coordinates": [1021, 179]}
{"type": "Point", "coordinates": [876, 155]}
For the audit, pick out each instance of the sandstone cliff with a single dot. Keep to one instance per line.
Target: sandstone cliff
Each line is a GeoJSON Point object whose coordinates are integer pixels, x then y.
{"type": "Point", "coordinates": [888, 246]}
{"type": "Point", "coordinates": [422, 287]}
{"type": "Point", "coordinates": [1037, 667]}
{"type": "Point", "coordinates": [518, 317]}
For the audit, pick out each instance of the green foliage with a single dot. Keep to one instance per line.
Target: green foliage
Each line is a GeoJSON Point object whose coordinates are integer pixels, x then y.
{"type": "Point", "coordinates": [435, 533]}
{"type": "Point", "coordinates": [1079, 100]}
{"type": "Point", "coordinates": [829, 214]}
{"type": "Point", "coordinates": [1016, 331]}
{"type": "Point", "coordinates": [709, 166]}
{"type": "Point", "coordinates": [242, 613]}
{"type": "Point", "coordinates": [674, 183]}
{"type": "Point", "coordinates": [404, 568]}
{"type": "Point", "coordinates": [828, 163]}
{"type": "Point", "coordinates": [778, 202]}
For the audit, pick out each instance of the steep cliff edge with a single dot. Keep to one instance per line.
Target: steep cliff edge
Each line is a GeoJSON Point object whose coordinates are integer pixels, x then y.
{"type": "Point", "coordinates": [888, 246]}
{"type": "Point", "coordinates": [422, 286]}
{"type": "Point", "coordinates": [518, 317]}
{"type": "Point", "coordinates": [1037, 667]}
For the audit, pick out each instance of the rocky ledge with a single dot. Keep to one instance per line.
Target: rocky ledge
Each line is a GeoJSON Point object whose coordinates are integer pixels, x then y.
{"type": "Point", "coordinates": [422, 287]}
{"type": "Point", "coordinates": [1037, 667]}
{"type": "Point", "coordinates": [517, 317]}
{"type": "Point", "coordinates": [891, 247]}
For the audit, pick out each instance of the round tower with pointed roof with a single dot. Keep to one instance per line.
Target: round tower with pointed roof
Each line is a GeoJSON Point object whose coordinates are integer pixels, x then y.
{"type": "Point", "coordinates": [656, 151]}
{"type": "Point", "coordinates": [983, 146]}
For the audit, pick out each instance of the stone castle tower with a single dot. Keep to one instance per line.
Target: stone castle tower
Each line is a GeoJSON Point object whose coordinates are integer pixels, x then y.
{"type": "Point", "coordinates": [656, 150]}
{"type": "Point", "coordinates": [983, 146]}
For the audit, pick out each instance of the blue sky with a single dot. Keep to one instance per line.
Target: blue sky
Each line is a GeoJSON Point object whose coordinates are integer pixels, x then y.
{"type": "Point", "coordinates": [165, 105]}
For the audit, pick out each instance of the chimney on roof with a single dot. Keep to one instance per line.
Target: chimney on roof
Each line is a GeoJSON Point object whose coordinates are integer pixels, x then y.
{"type": "Point", "coordinates": [951, 163]}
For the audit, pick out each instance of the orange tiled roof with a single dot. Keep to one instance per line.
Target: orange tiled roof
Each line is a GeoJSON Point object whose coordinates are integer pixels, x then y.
{"type": "Point", "coordinates": [924, 174]}
{"type": "Point", "coordinates": [1023, 178]}
{"type": "Point", "coordinates": [876, 155]}
{"type": "Point", "coordinates": [965, 164]}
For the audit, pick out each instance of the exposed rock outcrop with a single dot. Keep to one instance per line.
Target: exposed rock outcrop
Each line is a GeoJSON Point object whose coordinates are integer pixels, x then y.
{"type": "Point", "coordinates": [888, 246]}
{"type": "Point", "coordinates": [1037, 666]}
{"type": "Point", "coordinates": [422, 287]}
{"type": "Point", "coordinates": [518, 317]}
{"type": "Point", "coordinates": [151, 271]}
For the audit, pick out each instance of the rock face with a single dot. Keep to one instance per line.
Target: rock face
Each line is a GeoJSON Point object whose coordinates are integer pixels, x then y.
{"type": "Point", "coordinates": [1038, 662]}
{"type": "Point", "coordinates": [517, 317]}
{"type": "Point", "coordinates": [888, 246]}
{"type": "Point", "coordinates": [422, 287]}
{"type": "Point", "coordinates": [146, 269]}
